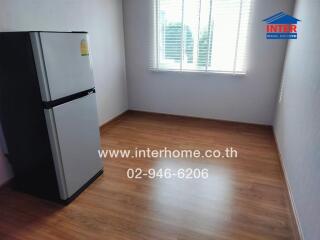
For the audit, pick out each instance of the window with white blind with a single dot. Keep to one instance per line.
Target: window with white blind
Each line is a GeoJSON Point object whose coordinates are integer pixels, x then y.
{"type": "Point", "coordinates": [201, 35]}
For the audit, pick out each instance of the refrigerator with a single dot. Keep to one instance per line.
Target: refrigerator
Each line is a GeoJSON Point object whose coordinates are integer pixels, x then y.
{"type": "Point", "coordinates": [48, 112]}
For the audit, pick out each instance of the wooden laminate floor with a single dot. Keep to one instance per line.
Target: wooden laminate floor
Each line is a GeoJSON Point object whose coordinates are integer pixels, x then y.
{"type": "Point", "coordinates": [244, 198]}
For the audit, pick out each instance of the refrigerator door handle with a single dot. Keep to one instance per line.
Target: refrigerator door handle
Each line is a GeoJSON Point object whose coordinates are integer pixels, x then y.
{"type": "Point", "coordinates": [52, 104]}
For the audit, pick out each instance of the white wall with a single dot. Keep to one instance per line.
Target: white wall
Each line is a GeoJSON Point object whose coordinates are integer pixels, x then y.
{"type": "Point", "coordinates": [246, 99]}
{"type": "Point", "coordinates": [297, 125]}
{"type": "Point", "coordinates": [104, 22]}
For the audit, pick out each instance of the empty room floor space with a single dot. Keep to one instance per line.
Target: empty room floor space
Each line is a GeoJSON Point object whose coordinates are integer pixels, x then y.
{"type": "Point", "coordinates": [243, 198]}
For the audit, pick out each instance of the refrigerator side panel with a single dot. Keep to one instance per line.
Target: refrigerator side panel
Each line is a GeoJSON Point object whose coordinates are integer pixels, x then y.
{"type": "Point", "coordinates": [56, 153]}
{"type": "Point", "coordinates": [23, 120]}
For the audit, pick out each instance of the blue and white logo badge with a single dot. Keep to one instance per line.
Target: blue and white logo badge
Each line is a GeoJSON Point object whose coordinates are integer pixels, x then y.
{"type": "Point", "coordinates": [281, 26]}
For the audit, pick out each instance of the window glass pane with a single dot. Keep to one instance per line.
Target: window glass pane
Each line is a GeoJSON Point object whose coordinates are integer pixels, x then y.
{"type": "Point", "coordinates": [205, 35]}
{"type": "Point", "coordinates": [190, 32]}
{"type": "Point", "coordinates": [226, 23]}
{"type": "Point", "coordinates": [241, 61]}
{"type": "Point", "coordinates": [170, 30]}
{"type": "Point", "coordinates": [202, 35]}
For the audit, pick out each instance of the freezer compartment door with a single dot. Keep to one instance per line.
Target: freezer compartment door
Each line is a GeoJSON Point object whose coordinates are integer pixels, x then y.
{"type": "Point", "coordinates": [63, 63]}
{"type": "Point", "coordinates": [74, 136]}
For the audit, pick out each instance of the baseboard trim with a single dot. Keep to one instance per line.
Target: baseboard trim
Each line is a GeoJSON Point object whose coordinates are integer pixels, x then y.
{"type": "Point", "coordinates": [112, 121]}
{"type": "Point", "coordinates": [298, 234]}
{"type": "Point", "coordinates": [201, 118]}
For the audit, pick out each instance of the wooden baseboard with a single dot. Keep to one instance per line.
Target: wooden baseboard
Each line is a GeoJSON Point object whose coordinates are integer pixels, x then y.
{"type": "Point", "coordinates": [295, 220]}
{"type": "Point", "coordinates": [112, 121]}
{"type": "Point", "coordinates": [201, 118]}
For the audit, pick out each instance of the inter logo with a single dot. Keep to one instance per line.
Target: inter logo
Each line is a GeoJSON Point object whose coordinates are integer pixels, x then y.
{"type": "Point", "coordinates": [281, 26]}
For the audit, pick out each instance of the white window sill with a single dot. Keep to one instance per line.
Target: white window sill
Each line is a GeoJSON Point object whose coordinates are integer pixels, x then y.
{"type": "Point", "coordinates": [239, 74]}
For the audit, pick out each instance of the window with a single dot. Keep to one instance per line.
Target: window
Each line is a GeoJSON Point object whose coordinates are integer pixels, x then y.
{"type": "Point", "coordinates": [201, 35]}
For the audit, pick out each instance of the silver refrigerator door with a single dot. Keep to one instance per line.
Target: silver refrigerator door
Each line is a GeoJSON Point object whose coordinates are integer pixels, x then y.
{"type": "Point", "coordinates": [74, 136]}
{"type": "Point", "coordinates": [63, 63]}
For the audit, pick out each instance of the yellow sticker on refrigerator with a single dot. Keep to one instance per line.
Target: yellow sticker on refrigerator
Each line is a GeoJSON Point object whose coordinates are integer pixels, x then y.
{"type": "Point", "coordinates": [84, 48]}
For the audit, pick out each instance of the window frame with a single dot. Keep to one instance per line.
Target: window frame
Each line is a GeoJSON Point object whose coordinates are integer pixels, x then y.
{"type": "Point", "coordinates": [155, 51]}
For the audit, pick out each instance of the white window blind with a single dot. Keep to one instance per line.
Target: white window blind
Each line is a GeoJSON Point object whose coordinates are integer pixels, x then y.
{"type": "Point", "coordinates": [201, 35]}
